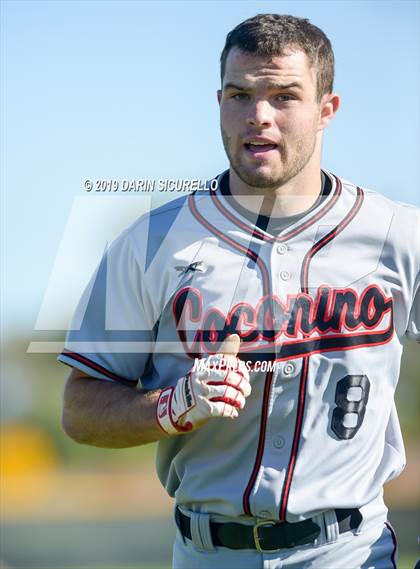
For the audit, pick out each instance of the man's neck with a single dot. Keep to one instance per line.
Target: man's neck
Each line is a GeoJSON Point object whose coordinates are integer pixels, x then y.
{"type": "Point", "coordinates": [294, 197]}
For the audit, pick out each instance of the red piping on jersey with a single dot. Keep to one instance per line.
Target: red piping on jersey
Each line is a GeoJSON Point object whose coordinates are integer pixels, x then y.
{"type": "Point", "coordinates": [299, 417]}
{"type": "Point", "coordinates": [302, 388]}
{"type": "Point", "coordinates": [394, 541]}
{"type": "Point", "coordinates": [89, 363]}
{"type": "Point", "coordinates": [260, 450]}
{"type": "Point", "coordinates": [266, 290]}
{"type": "Point", "coordinates": [329, 237]}
{"type": "Point", "coordinates": [248, 252]}
{"type": "Point", "coordinates": [305, 364]}
{"type": "Point", "coordinates": [293, 232]}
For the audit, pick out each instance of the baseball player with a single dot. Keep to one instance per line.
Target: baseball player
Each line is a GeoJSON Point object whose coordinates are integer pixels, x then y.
{"type": "Point", "coordinates": [255, 330]}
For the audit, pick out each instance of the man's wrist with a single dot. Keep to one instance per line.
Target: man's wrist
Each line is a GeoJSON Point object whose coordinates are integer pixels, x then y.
{"type": "Point", "coordinates": [164, 414]}
{"type": "Point", "coordinates": [163, 411]}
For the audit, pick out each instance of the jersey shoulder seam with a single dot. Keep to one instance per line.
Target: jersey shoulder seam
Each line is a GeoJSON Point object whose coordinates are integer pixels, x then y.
{"type": "Point", "coordinates": [389, 201]}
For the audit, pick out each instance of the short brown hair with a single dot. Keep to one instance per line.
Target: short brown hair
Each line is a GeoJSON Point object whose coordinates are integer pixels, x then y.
{"type": "Point", "coordinates": [268, 35]}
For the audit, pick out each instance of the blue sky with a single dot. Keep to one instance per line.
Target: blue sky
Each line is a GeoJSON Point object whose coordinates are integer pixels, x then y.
{"type": "Point", "coordinates": [118, 90]}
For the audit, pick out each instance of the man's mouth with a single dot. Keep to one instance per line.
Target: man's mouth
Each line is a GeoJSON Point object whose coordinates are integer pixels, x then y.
{"type": "Point", "coordinates": [259, 147]}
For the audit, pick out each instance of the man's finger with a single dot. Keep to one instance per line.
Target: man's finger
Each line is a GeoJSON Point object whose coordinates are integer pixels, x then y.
{"type": "Point", "coordinates": [230, 346]}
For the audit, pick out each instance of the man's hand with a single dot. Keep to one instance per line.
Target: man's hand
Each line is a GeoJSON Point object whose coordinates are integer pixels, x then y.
{"type": "Point", "coordinates": [219, 391]}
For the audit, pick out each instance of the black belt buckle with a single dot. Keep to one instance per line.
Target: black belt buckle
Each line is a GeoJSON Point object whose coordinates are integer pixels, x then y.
{"type": "Point", "coordinates": [257, 537]}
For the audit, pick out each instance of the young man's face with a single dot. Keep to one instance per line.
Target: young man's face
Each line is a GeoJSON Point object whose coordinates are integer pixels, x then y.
{"type": "Point", "coordinates": [269, 116]}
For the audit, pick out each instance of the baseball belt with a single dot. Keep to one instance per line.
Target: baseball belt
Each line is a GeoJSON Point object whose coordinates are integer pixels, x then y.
{"type": "Point", "coordinates": [268, 536]}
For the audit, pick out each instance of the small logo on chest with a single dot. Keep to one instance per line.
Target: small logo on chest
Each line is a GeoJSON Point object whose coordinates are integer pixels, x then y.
{"type": "Point", "coordinates": [191, 268]}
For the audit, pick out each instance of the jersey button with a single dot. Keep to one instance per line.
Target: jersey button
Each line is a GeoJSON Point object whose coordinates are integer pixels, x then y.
{"type": "Point", "coordinates": [279, 442]}
{"type": "Point", "coordinates": [288, 369]}
{"type": "Point", "coordinates": [282, 249]}
{"type": "Point", "coordinates": [285, 275]}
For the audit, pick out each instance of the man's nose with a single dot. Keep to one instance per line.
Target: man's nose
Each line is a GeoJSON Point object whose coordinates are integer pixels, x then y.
{"type": "Point", "coordinates": [260, 114]}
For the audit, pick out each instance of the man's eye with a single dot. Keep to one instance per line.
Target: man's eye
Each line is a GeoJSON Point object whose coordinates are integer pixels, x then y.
{"type": "Point", "coordinates": [284, 98]}
{"type": "Point", "coordinates": [240, 96]}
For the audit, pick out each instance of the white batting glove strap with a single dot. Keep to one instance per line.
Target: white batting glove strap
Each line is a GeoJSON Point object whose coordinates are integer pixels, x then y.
{"type": "Point", "coordinates": [163, 411]}
{"type": "Point", "coordinates": [173, 404]}
{"type": "Point", "coordinates": [201, 395]}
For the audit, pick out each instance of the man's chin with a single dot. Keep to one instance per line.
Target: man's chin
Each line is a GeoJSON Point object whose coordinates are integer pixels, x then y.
{"type": "Point", "coordinates": [262, 177]}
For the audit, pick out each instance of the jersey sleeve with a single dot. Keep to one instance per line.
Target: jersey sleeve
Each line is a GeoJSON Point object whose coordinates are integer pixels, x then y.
{"type": "Point", "coordinates": [413, 327]}
{"type": "Point", "coordinates": [111, 334]}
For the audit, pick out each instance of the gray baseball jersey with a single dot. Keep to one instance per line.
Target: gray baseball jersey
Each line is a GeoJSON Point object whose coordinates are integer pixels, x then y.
{"type": "Point", "coordinates": [322, 309]}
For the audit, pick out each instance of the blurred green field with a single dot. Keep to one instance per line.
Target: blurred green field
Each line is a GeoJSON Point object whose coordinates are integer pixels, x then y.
{"type": "Point", "coordinates": [405, 562]}
{"type": "Point", "coordinates": [128, 544]}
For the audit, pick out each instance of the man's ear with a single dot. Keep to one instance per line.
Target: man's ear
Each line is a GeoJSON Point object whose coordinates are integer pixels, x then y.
{"type": "Point", "coordinates": [219, 95]}
{"type": "Point", "coordinates": [330, 104]}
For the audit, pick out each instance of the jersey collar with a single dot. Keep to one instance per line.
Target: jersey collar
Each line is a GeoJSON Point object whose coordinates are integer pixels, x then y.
{"type": "Point", "coordinates": [289, 232]}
